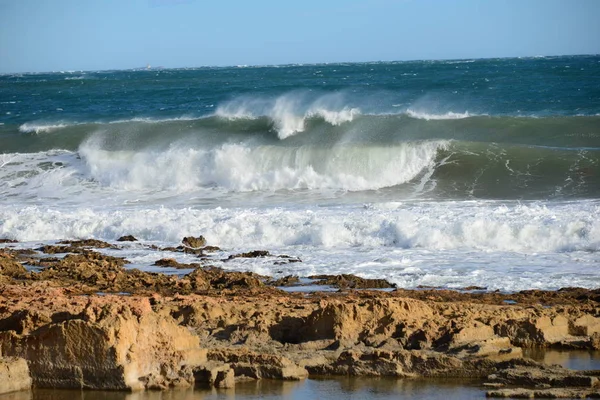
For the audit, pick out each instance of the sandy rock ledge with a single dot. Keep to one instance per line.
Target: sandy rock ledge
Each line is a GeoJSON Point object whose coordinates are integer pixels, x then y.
{"type": "Point", "coordinates": [83, 321]}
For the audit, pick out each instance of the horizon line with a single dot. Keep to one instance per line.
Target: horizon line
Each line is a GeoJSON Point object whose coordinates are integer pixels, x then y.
{"type": "Point", "coordinates": [141, 68]}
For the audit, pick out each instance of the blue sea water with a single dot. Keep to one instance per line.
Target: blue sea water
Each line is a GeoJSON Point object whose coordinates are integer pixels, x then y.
{"type": "Point", "coordinates": [437, 173]}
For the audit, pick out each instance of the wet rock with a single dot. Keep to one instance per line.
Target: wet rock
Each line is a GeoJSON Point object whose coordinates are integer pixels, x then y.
{"type": "Point", "coordinates": [543, 393]}
{"type": "Point", "coordinates": [7, 241]}
{"type": "Point", "coordinates": [250, 254]}
{"type": "Point", "coordinates": [543, 376]}
{"type": "Point", "coordinates": [220, 279]}
{"type": "Point", "coordinates": [127, 238]}
{"type": "Point", "coordinates": [52, 249]}
{"type": "Point", "coordinates": [290, 280]}
{"type": "Point", "coordinates": [348, 281]}
{"type": "Point", "coordinates": [14, 375]}
{"type": "Point", "coordinates": [194, 242]}
{"type": "Point", "coordinates": [188, 250]}
{"type": "Point", "coordinates": [400, 363]}
{"type": "Point", "coordinates": [172, 263]}
{"type": "Point", "coordinates": [217, 375]}
{"type": "Point", "coordinates": [98, 244]}
{"type": "Point", "coordinates": [285, 259]}
{"type": "Point", "coordinates": [9, 266]}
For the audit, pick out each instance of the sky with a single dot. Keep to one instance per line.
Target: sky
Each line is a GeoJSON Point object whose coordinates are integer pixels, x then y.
{"type": "Point", "coordinates": [55, 35]}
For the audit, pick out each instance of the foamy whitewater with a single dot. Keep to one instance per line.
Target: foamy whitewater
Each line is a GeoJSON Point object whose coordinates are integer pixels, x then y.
{"type": "Point", "coordinates": [433, 173]}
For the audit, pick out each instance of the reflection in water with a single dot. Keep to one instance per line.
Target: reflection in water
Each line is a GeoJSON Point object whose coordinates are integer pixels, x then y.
{"type": "Point", "coordinates": [573, 359]}
{"type": "Point", "coordinates": [323, 389]}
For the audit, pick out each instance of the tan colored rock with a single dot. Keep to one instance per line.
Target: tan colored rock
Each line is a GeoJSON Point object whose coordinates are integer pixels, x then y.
{"type": "Point", "coordinates": [543, 393]}
{"type": "Point", "coordinates": [586, 325]}
{"type": "Point", "coordinates": [553, 329]}
{"type": "Point", "coordinates": [217, 375]}
{"type": "Point", "coordinates": [9, 266]}
{"type": "Point", "coordinates": [14, 375]}
{"type": "Point", "coordinates": [259, 366]}
{"type": "Point", "coordinates": [495, 347]}
{"type": "Point", "coordinates": [544, 376]}
{"type": "Point", "coordinates": [110, 347]}
{"type": "Point", "coordinates": [476, 333]}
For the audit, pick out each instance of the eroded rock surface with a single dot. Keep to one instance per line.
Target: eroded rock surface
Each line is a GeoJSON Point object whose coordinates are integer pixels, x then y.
{"type": "Point", "coordinates": [85, 320]}
{"type": "Point", "coordinates": [14, 375]}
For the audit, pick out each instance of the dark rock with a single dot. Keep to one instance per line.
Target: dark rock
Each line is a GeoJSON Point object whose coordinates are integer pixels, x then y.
{"type": "Point", "coordinates": [290, 280]}
{"type": "Point", "coordinates": [99, 244]}
{"type": "Point", "coordinates": [347, 281]}
{"type": "Point", "coordinates": [250, 254]}
{"type": "Point", "coordinates": [51, 249]}
{"type": "Point", "coordinates": [171, 262]}
{"type": "Point", "coordinates": [128, 238]}
{"type": "Point", "coordinates": [194, 242]}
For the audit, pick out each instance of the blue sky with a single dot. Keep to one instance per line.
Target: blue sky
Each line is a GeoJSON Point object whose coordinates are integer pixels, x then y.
{"type": "Point", "coordinates": [52, 35]}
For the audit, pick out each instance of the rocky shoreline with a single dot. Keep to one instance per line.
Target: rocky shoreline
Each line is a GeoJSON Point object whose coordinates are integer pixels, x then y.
{"type": "Point", "coordinates": [74, 317]}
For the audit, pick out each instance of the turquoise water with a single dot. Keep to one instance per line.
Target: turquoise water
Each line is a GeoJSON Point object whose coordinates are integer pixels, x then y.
{"type": "Point", "coordinates": [438, 173]}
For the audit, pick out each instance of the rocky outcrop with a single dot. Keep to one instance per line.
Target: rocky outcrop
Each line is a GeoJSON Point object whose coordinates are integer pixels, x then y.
{"type": "Point", "coordinates": [127, 238]}
{"type": "Point", "coordinates": [82, 319]}
{"type": "Point", "coordinates": [108, 345]}
{"type": "Point", "coordinates": [14, 375]}
{"type": "Point", "coordinates": [346, 281]}
{"type": "Point", "coordinates": [194, 242]}
{"type": "Point", "coordinates": [9, 267]}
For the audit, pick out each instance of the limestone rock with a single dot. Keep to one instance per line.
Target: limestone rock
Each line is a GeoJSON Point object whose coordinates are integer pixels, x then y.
{"type": "Point", "coordinates": [14, 375]}
{"type": "Point", "coordinates": [113, 347]}
{"type": "Point", "coordinates": [259, 366]}
{"type": "Point", "coordinates": [540, 376]}
{"type": "Point", "coordinates": [215, 375]}
{"type": "Point", "coordinates": [9, 266]}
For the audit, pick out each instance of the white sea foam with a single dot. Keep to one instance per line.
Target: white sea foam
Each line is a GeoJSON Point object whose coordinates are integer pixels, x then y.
{"type": "Point", "coordinates": [507, 246]}
{"type": "Point", "coordinates": [34, 127]}
{"type": "Point", "coordinates": [432, 116]}
{"type": "Point", "coordinates": [240, 167]}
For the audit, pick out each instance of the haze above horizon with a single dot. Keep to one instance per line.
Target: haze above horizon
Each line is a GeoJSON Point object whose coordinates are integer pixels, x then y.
{"type": "Point", "coordinates": [115, 34]}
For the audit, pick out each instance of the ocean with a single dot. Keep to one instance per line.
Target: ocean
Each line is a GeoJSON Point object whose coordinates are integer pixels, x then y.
{"type": "Point", "coordinates": [451, 174]}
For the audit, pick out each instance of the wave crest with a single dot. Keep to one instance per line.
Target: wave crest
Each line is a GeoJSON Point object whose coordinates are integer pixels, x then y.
{"type": "Point", "coordinates": [289, 113]}
{"type": "Point", "coordinates": [37, 128]}
{"type": "Point", "coordinates": [435, 117]}
{"type": "Point", "coordinates": [240, 167]}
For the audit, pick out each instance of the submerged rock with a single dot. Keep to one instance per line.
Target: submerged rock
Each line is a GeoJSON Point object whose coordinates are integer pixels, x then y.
{"type": "Point", "coordinates": [98, 244]}
{"type": "Point", "coordinates": [250, 254]}
{"type": "Point", "coordinates": [348, 281]}
{"type": "Point", "coordinates": [194, 242]}
{"type": "Point", "coordinates": [127, 238]}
